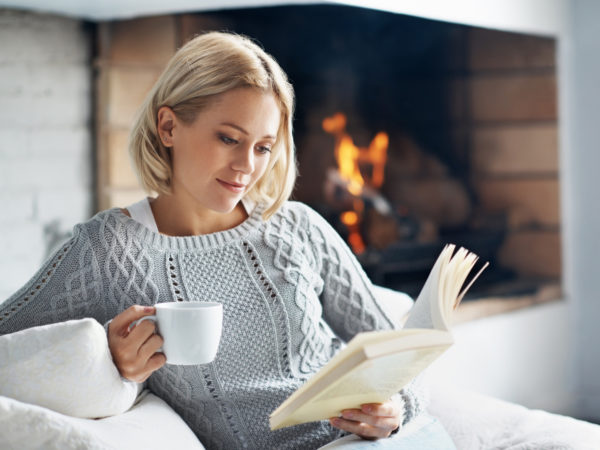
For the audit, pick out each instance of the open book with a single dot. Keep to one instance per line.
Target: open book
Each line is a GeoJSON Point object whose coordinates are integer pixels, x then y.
{"type": "Point", "coordinates": [375, 365]}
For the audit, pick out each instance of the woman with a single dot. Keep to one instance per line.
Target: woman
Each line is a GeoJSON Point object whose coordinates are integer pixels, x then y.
{"type": "Point", "coordinates": [214, 140]}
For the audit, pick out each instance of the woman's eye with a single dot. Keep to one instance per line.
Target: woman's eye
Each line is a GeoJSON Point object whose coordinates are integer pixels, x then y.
{"type": "Point", "coordinates": [227, 140]}
{"type": "Point", "coordinates": [264, 149]}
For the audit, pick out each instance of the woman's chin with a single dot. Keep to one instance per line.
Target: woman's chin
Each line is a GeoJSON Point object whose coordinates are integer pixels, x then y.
{"type": "Point", "coordinates": [226, 207]}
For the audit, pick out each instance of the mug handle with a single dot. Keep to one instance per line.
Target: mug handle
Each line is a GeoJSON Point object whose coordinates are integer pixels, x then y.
{"type": "Point", "coordinates": [136, 322]}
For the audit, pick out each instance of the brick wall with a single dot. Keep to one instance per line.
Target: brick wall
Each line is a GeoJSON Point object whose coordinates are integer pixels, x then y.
{"type": "Point", "coordinates": [45, 138]}
{"type": "Point", "coordinates": [131, 56]}
{"type": "Point", "coordinates": [511, 114]}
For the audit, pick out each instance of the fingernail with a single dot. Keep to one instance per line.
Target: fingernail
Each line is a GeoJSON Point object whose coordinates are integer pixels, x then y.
{"type": "Point", "coordinates": [348, 414]}
{"type": "Point", "coordinates": [148, 308]}
{"type": "Point", "coordinates": [335, 422]}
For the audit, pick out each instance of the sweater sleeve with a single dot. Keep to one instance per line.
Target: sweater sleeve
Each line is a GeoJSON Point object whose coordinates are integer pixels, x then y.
{"type": "Point", "coordinates": [67, 286]}
{"type": "Point", "coordinates": [349, 303]}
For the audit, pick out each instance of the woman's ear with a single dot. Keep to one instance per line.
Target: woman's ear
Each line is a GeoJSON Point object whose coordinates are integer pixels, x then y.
{"type": "Point", "coordinates": [164, 124]}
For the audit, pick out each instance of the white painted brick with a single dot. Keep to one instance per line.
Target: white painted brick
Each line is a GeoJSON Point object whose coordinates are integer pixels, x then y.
{"type": "Point", "coordinates": [52, 110]}
{"type": "Point", "coordinates": [16, 273]}
{"type": "Point", "coordinates": [67, 206]}
{"type": "Point", "coordinates": [47, 173]}
{"type": "Point", "coordinates": [61, 79]}
{"type": "Point", "coordinates": [60, 143]}
{"type": "Point", "coordinates": [16, 207]}
{"type": "Point", "coordinates": [24, 240]}
{"type": "Point", "coordinates": [42, 38]}
{"type": "Point", "coordinates": [54, 142]}
{"type": "Point", "coordinates": [5, 293]}
{"type": "Point", "coordinates": [35, 80]}
{"type": "Point", "coordinates": [16, 80]}
{"type": "Point", "coordinates": [45, 137]}
{"type": "Point", "coordinates": [14, 143]}
{"type": "Point", "coordinates": [4, 178]}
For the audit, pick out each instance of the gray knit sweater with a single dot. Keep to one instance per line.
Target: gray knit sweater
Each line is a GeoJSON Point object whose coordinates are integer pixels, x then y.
{"type": "Point", "coordinates": [292, 293]}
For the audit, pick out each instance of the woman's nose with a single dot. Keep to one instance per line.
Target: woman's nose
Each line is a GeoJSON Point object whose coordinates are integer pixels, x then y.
{"type": "Point", "coordinates": [244, 159]}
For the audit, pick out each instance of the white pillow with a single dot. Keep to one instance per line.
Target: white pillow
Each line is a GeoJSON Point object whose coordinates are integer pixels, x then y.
{"type": "Point", "coordinates": [150, 425]}
{"type": "Point", "coordinates": [395, 303]}
{"type": "Point", "coordinates": [66, 367]}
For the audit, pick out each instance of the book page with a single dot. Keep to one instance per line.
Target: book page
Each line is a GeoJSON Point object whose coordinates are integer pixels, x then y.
{"type": "Point", "coordinates": [373, 381]}
{"type": "Point", "coordinates": [421, 315]}
{"type": "Point", "coordinates": [441, 292]}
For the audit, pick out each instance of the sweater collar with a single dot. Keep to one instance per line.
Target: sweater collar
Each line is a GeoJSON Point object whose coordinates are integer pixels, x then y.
{"type": "Point", "coordinates": [198, 242]}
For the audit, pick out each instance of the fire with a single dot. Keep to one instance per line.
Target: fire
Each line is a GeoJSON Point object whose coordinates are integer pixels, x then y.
{"type": "Point", "coordinates": [347, 155]}
{"type": "Point", "coordinates": [352, 221]}
{"type": "Point", "coordinates": [350, 218]}
{"type": "Point", "coordinates": [378, 156]}
{"type": "Point", "coordinates": [349, 159]}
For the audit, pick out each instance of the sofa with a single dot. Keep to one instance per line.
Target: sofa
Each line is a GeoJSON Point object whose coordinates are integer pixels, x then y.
{"type": "Point", "coordinates": [59, 389]}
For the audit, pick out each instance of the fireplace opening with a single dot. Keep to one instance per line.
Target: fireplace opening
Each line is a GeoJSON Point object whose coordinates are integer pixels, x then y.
{"type": "Point", "coordinates": [449, 134]}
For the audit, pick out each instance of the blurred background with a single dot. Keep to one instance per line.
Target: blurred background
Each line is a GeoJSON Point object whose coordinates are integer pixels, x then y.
{"type": "Point", "coordinates": [417, 124]}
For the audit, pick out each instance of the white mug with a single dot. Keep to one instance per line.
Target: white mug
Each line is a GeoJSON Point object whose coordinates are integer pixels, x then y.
{"type": "Point", "coordinates": [191, 331]}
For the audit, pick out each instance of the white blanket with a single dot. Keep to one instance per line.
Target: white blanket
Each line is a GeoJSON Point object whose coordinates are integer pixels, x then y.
{"type": "Point", "coordinates": [479, 422]}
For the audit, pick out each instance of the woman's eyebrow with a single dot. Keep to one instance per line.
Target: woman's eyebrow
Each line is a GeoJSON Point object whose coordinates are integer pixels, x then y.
{"type": "Point", "coordinates": [237, 127]}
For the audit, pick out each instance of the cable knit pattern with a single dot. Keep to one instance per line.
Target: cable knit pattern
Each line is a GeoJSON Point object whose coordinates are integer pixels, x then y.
{"type": "Point", "coordinates": [288, 238]}
{"type": "Point", "coordinates": [292, 293]}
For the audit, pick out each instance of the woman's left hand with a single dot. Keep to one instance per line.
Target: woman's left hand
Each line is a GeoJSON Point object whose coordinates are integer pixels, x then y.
{"type": "Point", "coordinates": [371, 421]}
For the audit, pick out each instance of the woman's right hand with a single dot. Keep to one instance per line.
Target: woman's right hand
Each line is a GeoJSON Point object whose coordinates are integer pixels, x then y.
{"type": "Point", "coordinates": [134, 350]}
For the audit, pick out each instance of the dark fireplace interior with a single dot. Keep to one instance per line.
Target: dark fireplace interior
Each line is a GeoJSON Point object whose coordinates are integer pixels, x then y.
{"type": "Point", "coordinates": [469, 117]}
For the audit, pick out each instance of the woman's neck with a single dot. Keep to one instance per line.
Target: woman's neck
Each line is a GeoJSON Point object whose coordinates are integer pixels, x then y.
{"type": "Point", "coordinates": [176, 218]}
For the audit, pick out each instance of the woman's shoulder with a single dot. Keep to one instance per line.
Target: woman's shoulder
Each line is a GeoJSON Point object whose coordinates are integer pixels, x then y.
{"type": "Point", "coordinates": [296, 208]}
{"type": "Point", "coordinates": [95, 233]}
{"type": "Point", "coordinates": [303, 216]}
{"type": "Point", "coordinates": [109, 221]}
{"type": "Point", "coordinates": [106, 215]}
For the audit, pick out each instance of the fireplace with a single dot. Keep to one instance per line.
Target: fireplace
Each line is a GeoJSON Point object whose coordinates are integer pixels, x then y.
{"type": "Point", "coordinates": [470, 120]}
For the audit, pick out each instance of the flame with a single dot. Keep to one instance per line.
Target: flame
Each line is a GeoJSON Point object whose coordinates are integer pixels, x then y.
{"type": "Point", "coordinates": [378, 157]}
{"type": "Point", "coordinates": [351, 220]}
{"type": "Point", "coordinates": [349, 158]}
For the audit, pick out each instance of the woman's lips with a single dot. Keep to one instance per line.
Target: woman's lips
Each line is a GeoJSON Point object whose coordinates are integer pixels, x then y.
{"type": "Point", "coordinates": [233, 187]}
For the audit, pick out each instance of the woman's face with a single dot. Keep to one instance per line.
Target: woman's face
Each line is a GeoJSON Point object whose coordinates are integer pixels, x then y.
{"type": "Point", "coordinates": [219, 157]}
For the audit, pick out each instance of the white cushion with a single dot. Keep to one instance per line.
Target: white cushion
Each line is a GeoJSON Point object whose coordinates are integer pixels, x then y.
{"type": "Point", "coordinates": [476, 421]}
{"type": "Point", "coordinates": [150, 425]}
{"type": "Point", "coordinates": [395, 303]}
{"type": "Point", "coordinates": [66, 367]}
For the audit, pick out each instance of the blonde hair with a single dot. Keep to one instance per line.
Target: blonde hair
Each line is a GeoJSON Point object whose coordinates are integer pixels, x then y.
{"type": "Point", "coordinates": [206, 66]}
